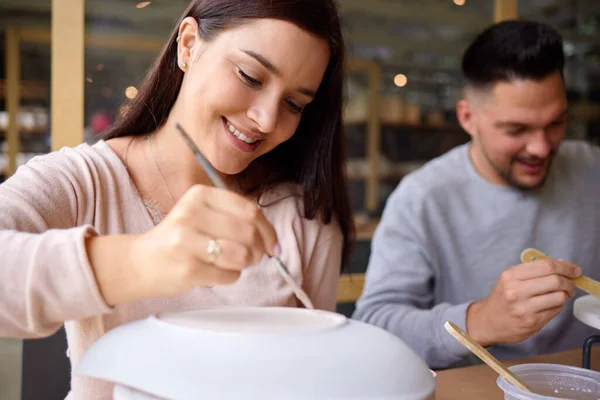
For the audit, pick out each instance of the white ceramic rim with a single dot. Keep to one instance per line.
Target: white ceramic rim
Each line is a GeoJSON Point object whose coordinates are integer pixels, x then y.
{"type": "Point", "coordinates": [331, 320]}
{"type": "Point", "coordinates": [587, 310]}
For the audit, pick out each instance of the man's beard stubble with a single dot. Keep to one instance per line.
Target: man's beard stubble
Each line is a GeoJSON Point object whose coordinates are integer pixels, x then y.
{"type": "Point", "coordinates": [506, 173]}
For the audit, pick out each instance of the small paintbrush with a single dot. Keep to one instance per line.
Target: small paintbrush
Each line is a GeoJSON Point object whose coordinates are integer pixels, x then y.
{"type": "Point", "coordinates": [218, 182]}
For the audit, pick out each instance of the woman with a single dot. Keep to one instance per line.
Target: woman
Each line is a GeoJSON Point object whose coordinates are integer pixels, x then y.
{"type": "Point", "coordinates": [97, 236]}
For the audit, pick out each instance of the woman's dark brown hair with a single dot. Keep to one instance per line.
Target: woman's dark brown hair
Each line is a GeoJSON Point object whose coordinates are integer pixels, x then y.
{"type": "Point", "coordinates": [315, 156]}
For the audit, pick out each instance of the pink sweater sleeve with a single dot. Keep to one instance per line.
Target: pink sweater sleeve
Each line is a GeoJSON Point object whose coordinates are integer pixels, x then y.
{"type": "Point", "coordinates": [45, 275]}
{"type": "Point", "coordinates": [323, 271]}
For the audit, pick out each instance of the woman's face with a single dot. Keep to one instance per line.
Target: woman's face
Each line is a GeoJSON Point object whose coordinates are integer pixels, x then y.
{"type": "Point", "coordinates": [244, 91]}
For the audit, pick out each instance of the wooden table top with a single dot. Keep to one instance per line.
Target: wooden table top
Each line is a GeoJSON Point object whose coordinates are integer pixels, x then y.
{"type": "Point", "coordinates": [479, 382]}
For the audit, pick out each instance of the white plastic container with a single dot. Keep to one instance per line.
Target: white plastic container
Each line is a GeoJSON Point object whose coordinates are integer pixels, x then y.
{"type": "Point", "coordinates": [552, 381]}
{"type": "Point", "coordinates": [256, 353]}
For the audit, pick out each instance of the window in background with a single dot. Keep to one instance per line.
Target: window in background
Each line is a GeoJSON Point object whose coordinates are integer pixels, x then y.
{"type": "Point", "coordinates": [30, 53]}
{"type": "Point", "coordinates": [130, 34]}
{"type": "Point", "coordinates": [578, 21]}
{"type": "Point", "coordinates": [417, 46]}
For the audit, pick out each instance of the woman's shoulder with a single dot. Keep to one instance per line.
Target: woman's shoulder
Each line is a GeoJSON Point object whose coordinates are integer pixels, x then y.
{"type": "Point", "coordinates": [284, 204]}
{"type": "Point", "coordinates": [62, 188]}
{"type": "Point", "coordinates": [282, 196]}
{"type": "Point", "coordinates": [78, 161]}
{"type": "Point", "coordinates": [77, 174]}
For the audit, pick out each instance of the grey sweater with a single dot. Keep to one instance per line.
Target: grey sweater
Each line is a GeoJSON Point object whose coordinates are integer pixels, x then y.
{"type": "Point", "coordinates": [446, 235]}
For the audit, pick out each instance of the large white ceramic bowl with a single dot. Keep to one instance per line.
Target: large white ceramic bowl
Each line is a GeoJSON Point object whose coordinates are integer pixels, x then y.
{"type": "Point", "coordinates": [256, 353]}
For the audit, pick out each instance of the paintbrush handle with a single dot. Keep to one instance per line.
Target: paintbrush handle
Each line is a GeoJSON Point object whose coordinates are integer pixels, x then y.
{"type": "Point", "coordinates": [484, 355]}
{"type": "Point", "coordinates": [208, 168]}
{"type": "Point", "coordinates": [297, 289]}
{"type": "Point", "coordinates": [588, 285]}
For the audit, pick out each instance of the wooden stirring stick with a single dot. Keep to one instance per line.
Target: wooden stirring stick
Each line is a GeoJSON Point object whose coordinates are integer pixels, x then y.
{"type": "Point", "coordinates": [582, 282]}
{"type": "Point", "coordinates": [484, 355]}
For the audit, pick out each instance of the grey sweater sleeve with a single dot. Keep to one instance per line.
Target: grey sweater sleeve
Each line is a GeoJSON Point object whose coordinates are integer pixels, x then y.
{"type": "Point", "coordinates": [398, 292]}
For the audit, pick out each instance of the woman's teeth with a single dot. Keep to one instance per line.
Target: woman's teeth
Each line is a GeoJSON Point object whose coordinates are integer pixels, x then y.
{"type": "Point", "coordinates": [239, 134]}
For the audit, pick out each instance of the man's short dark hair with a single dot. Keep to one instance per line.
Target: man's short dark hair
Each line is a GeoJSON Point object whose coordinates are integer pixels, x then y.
{"type": "Point", "coordinates": [513, 50]}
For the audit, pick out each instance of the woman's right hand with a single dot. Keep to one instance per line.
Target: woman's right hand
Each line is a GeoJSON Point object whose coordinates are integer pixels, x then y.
{"type": "Point", "coordinates": [174, 257]}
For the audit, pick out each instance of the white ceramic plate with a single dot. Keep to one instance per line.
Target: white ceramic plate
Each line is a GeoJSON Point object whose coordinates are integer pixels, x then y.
{"type": "Point", "coordinates": [262, 353]}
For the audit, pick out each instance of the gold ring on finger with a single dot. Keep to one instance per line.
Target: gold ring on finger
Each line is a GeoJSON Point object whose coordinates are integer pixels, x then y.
{"type": "Point", "coordinates": [213, 250]}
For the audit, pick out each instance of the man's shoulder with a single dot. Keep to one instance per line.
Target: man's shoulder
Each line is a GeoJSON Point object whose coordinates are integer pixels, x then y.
{"type": "Point", "coordinates": [580, 152]}
{"type": "Point", "coordinates": [578, 160]}
{"type": "Point", "coordinates": [443, 172]}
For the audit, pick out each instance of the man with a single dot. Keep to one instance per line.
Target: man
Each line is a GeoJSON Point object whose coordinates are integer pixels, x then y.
{"type": "Point", "coordinates": [449, 242]}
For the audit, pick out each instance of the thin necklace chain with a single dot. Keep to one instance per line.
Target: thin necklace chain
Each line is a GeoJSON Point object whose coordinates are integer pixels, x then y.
{"type": "Point", "coordinates": [162, 178]}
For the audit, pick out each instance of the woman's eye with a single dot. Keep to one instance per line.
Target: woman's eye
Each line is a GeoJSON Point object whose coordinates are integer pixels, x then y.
{"type": "Point", "coordinates": [250, 81]}
{"type": "Point", "coordinates": [295, 108]}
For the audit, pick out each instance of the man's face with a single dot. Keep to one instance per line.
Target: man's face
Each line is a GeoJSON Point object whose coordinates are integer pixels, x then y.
{"type": "Point", "coordinates": [516, 127]}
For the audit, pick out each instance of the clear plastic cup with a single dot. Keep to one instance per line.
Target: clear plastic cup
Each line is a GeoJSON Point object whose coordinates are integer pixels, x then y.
{"type": "Point", "coordinates": [551, 381]}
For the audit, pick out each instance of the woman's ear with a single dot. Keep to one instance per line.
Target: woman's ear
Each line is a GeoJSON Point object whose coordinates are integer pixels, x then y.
{"type": "Point", "coordinates": [187, 42]}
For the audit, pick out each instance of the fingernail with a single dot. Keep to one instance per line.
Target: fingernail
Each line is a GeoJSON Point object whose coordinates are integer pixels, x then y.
{"type": "Point", "coordinates": [277, 250]}
{"type": "Point", "coordinates": [577, 271]}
